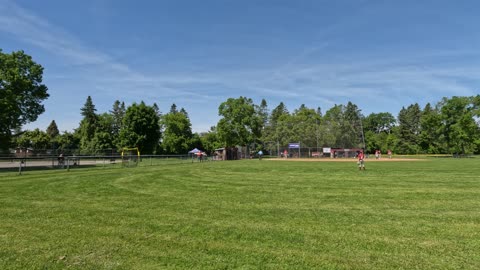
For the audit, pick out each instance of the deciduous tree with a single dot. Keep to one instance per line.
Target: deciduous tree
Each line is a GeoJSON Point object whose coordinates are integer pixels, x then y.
{"type": "Point", "coordinates": [459, 126]}
{"type": "Point", "coordinates": [140, 128]}
{"type": "Point", "coordinates": [177, 134]}
{"type": "Point", "coordinates": [21, 93]}
{"type": "Point", "coordinates": [240, 124]}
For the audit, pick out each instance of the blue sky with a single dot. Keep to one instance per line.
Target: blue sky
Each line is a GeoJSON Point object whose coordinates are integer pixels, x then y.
{"type": "Point", "coordinates": [381, 55]}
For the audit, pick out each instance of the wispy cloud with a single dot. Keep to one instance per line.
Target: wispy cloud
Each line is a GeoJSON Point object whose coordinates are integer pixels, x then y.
{"type": "Point", "coordinates": [91, 64]}
{"type": "Point", "coordinates": [305, 76]}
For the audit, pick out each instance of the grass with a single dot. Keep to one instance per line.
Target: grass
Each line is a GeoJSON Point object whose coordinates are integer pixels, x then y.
{"type": "Point", "coordinates": [245, 215]}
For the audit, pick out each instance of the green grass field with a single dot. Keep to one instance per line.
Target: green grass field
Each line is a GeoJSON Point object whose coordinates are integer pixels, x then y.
{"type": "Point", "coordinates": [245, 215]}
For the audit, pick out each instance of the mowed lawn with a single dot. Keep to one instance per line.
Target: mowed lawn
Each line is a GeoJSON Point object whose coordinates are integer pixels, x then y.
{"type": "Point", "coordinates": [245, 215]}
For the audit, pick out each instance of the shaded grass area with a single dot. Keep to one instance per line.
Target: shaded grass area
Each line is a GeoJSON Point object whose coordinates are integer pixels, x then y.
{"type": "Point", "coordinates": [245, 214]}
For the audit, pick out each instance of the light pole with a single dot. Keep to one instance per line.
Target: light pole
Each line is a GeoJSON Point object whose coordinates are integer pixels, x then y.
{"type": "Point", "coordinates": [316, 120]}
{"type": "Point", "coordinates": [361, 127]}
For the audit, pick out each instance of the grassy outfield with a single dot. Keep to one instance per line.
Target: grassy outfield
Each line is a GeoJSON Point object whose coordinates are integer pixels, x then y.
{"type": "Point", "coordinates": [245, 214]}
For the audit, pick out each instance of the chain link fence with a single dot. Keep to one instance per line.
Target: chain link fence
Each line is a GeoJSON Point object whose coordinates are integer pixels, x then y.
{"type": "Point", "coordinates": [69, 160]}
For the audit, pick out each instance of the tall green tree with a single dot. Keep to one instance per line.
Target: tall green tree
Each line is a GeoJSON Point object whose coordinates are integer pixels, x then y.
{"type": "Point", "coordinates": [140, 128]}
{"type": "Point", "coordinates": [177, 134]}
{"type": "Point", "coordinates": [343, 127]}
{"type": "Point", "coordinates": [379, 122]}
{"type": "Point", "coordinates": [305, 128]}
{"type": "Point", "coordinates": [459, 126]}
{"type": "Point", "coordinates": [103, 139]}
{"type": "Point", "coordinates": [240, 124]}
{"type": "Point", "coordinates": [118, 113]}
{"type": "Point", "coordinates": [262, 111]}
{"type": "Point", "coordinates": [52, 130]}
{"type": "Point", "coordinates": [351, 131]}
{"type": "Point", "coordinates": [378, 131]}
{"type": "Point", "coordinates": [431, 138]}
{"type": "Point", "coordinates": [156, 109]}
{"type": "Point", "coordinates": [21, 93]}
{"type": "Point", "coordinates": [332, 122]}
{"type": "Point", "coordinates": [88, 126]}
{"type": "Point", "coordinates": [408, 130]}
{"type": "Point", "coordinates": [173, 108]}
{"type": "Point", "coordinates": [275, 131]}
{"type": "Point", "coordinates": [278, 112]}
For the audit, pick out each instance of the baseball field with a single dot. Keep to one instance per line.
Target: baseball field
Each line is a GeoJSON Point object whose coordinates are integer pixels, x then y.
{"type": "Point", "coordinates": [249, 214]}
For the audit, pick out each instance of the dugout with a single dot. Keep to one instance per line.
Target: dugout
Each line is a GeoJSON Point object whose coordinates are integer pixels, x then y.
{"type": "Point", "coordinates": [21, 152]}
{"type": "Point", "coordinates": [345, 152]}
{"type": "Point", "coordinates": [227, 153]}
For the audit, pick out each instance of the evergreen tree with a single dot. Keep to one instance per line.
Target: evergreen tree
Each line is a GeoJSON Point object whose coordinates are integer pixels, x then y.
{"type": "Point", "coordinates": [88, 125]}
{"type": "Point", "coordinates": [173, 108]}
{"type": "Point", "coordinates": [118, 113]}
{"type": "Point", "coordinates": [52, 130]}
{"type": "Point", "coordinates": [280, 110]}
{"type": "Point", "coordinates": [263, 112]}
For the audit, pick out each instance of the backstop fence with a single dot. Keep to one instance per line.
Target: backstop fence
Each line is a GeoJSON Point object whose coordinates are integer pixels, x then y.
{"type": "Point", "coordinates": [311, 152]}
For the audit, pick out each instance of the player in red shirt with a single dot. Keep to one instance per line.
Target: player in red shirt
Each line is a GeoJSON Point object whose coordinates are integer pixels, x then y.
{"type": "Point", "coordinates": [361, 161]}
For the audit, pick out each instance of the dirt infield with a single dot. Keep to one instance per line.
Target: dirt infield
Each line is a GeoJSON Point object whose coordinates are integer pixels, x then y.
{"type": "Point", "coordinates": [345, 159]}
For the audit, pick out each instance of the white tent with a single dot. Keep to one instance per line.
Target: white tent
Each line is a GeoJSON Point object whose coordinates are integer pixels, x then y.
{"type": "Point", "coordinates": [194, 151]}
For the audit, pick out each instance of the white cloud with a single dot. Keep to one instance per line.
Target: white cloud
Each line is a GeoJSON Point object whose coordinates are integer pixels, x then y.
{"type": "Point", "coordinates": [305, 77]}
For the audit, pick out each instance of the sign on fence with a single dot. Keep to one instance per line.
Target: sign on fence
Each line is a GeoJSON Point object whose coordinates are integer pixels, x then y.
{"type": "Point", "coordinates": [294, 145]}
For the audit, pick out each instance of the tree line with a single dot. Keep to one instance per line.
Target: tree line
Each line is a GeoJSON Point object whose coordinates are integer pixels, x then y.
{"type": "Point", "coordinates": [449, 126]}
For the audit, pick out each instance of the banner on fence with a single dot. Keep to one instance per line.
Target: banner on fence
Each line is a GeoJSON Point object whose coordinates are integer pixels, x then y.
{"type": "Point", "coordinates": [294, 145]}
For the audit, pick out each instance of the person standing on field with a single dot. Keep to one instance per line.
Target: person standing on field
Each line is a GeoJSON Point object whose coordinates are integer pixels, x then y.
{"type": "Point", "coordinates": [361, 161]}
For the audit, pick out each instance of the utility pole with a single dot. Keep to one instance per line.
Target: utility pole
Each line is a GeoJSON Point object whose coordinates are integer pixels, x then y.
{"type": "Point", "coordinates": [361, 127]}
{"type": "Point", "coordinates": [317, 132]}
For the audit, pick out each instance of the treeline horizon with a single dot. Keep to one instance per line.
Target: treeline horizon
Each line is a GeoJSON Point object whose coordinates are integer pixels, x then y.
{"type": "Point", "coordinates": [447, 127]}
{"type": "Point", "coordinates": [450, 126]}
